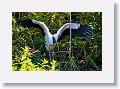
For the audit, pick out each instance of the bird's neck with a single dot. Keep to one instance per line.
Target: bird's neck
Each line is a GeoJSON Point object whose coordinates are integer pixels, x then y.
{"type": "Point", "coordinates": [48, 41]}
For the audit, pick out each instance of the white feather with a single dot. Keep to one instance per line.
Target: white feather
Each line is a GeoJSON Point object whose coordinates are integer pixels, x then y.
{"type": "Point", "coordinates": [45, 28]}
{"type": "Point", "coordinates": [65, 26]}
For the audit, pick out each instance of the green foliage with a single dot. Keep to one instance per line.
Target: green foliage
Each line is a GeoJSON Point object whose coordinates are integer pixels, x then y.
{"type": "Point", "coordinates": [24, 63]}
{"type": "Point", "coordinates": [28, 44]}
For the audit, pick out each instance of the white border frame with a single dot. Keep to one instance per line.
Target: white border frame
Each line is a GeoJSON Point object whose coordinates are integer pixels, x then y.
{"type": "Point", "coordinates": [104, 76]}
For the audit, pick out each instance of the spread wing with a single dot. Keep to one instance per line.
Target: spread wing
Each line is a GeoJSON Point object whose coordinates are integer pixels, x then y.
{"type": "Point", "coordinates": [34, 23]}
{"type": "Point", "coordinates": [76, 30]}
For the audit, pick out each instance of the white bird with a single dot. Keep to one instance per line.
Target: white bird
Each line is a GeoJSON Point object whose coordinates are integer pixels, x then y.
{"type": "Point", "coordinates": [76, 30]}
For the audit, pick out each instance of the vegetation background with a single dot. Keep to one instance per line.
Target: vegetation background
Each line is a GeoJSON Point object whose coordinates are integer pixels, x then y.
{"type": "Point", "coordinates": [28, 44]}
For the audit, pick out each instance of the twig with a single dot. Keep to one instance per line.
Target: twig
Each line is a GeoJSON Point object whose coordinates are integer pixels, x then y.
{"type": "Point", "coordinates": [31, 39]}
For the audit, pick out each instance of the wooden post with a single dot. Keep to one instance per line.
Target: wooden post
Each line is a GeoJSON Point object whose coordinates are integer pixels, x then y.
{"type": "Point", "coordinates": [70, 36]}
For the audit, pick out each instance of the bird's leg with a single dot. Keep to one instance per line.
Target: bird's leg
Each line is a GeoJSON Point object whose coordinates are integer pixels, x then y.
{"type": "Point", "coordinates": [49, 56]}
{"type": "Point", "coordinates": [53, 53]}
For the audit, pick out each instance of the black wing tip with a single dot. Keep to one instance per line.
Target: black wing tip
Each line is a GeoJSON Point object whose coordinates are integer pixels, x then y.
{"type": "Point", "coordinates": [31, 23]}
{"type": "Point", "coordinates": [26, 22]}
{"type": "Point", "coordinates": [86, 31]}
{"type": "Point", "coordinates": [86, 27]}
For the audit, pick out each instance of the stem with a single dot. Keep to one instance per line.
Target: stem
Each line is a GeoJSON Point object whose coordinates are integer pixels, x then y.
{"type": "Point", "coordinates": [31, 39]}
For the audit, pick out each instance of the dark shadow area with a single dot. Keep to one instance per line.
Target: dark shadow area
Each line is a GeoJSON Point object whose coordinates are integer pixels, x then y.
{"type": "Point", "coordinates": [116, 44]}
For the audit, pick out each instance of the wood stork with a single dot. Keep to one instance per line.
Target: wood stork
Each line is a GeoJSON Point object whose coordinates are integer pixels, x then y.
{"type": "Point", "coordinates": [76, 30]}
